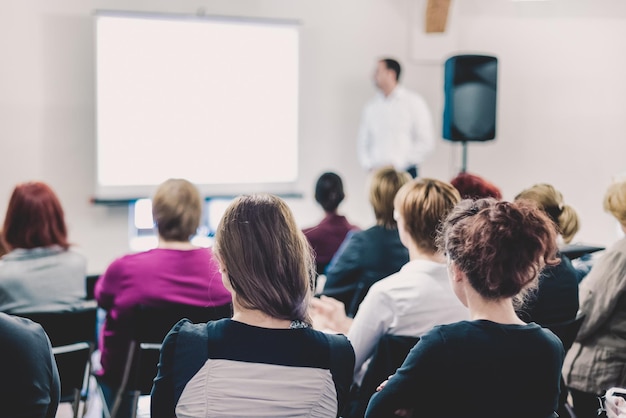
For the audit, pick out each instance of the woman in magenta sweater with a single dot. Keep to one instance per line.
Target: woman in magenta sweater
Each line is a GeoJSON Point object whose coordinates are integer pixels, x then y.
{"type": "Point", "coordinates": [174, 272]}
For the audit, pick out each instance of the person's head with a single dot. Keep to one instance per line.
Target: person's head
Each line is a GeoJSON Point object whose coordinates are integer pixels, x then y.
{"type": "Point", "coordinates": [615, 201]}
{"type": "Point", "coordinates": [551, 201]}
{"type": "Point", "coordinates": [420, 206]}
{"type": "Point", "coordinates": [471, 186]}
{"type": "Point", "coordinates": [177, 210]}
{"type": "Point", "coordinates": [34, 218]}
{"type": "Point", "coordinates": [500, 247]}
{"type": "Point", "coordinates": [265, 259]}
{"type": "Point", "coordinates": [384, 185]}
{"type": "Point", "coordinates": [387, 74]}
{"type": "Point", "coordinates": [329, 191]}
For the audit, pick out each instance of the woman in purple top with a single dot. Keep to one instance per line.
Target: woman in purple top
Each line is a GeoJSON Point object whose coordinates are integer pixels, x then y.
{"type": "Point", "coordinates": [326, 237]}
{"type": "Point", "coordinates": [174, 272]}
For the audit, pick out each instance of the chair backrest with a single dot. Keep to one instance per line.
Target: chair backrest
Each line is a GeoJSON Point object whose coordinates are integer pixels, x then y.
{"type": "Point", "coordinates": [388, 356]}
{"type": "Point", "coordinates": [72, 335]}
{"type": "Point", "coordinates": [151, 325]}
{"type": "Point", "coordinates": [566, 331]}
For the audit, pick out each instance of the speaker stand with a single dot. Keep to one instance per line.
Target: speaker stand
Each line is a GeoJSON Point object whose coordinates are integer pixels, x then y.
{"type": "Point", "coordinates": [464, 158]}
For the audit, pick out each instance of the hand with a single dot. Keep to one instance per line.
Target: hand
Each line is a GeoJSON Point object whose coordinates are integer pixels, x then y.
{"type": "Point", "coordinates": [329, 314]}
{"type": "Point", "coordinates": [398, 412]}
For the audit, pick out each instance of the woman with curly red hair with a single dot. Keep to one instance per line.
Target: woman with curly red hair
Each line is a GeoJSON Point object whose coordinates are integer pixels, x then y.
{"type": "Point", "coordinates": [494, 365]}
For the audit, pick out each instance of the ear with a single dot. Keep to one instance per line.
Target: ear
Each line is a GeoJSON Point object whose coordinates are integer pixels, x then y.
{"type": "Point", "coordinates": [456, 273]}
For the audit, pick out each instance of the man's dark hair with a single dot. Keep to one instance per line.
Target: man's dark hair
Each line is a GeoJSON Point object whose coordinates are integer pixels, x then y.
{"type": "Point", "coordinates": [329, 191]}
{"type": "Point", "coordinates": [394, 66]}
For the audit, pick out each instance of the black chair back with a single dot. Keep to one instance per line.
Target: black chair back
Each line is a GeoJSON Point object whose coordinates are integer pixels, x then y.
{"type": "Point", "coordinates": [151, 325]}
{"type": "Point", "coordinates": [388, 356]}
{"type": "Point", "coordinates": [566, 331]}
{"type": "Point", "coordinates": [71, 334]}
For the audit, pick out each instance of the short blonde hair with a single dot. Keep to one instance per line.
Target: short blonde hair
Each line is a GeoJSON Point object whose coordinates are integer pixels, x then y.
{"type": "Point", "coordinates": [424, 204]}
{"type": "Point", "coordinates": [177, 210]}
{"type": "Point", "coordinates": [615, 201]}
{"type": "Point", "coordinates": [550, 201]}
{"type": "Point", "coordinates": [384, 185]}
{"type": "Point", "coordinates": [268, 260]}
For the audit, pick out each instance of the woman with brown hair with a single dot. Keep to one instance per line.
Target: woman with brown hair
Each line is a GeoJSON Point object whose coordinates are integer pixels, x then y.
{"type": "Point", "coordinates": [494, 365]}
{"type": "Point", "coordinates": [367, 256]}
{"type": "Point", "coordinates": [267, 360]}
{"type": "Point", "coordinates": [40, 272]}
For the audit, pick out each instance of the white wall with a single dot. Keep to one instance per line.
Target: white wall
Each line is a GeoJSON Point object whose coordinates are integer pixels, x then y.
{"type": "Point", "coordinates": [561, 98]}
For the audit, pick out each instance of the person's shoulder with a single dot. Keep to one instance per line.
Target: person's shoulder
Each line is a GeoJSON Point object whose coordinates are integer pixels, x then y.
{"type": "Point", "coordinates": [187, 330]}
{"type": "Point", "coordinates": [386, 284]}
{"type": "Point", "coordinates": [338, 344]}
{"type": "Point", "coordinates": [15, 328]}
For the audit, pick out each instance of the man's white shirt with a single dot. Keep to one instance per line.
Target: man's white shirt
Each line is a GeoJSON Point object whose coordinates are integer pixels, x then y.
{"type": "Point", "coordinates": [395, 130]}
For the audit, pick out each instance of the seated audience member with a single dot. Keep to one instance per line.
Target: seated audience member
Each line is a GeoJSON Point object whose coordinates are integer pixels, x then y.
{"type": "Point", "coordinates": [471, 186]}
{"type": "Point", "coordinates": [266, 361]}
{"type": "Point", "coordinates": [327, 236]}
{"type": "Point", "coordinates": [367, 256]}
{"type": "Point", "coordinates": [597, 360]}
{"type": "Point", "coordinates": [419, 296]}
{"type": "Point", "coordinates": [556, 298]}
{"type": "Point", "coordinates": [40, 272]}
{"type": "Point", "coordinates": [494, 365]}
{"type": "Point", "coordinates": [175, 272]}
{"type": "Point", "coordinates": [29, 387]}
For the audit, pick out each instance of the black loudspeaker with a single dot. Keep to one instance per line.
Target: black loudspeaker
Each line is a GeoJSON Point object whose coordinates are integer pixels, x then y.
{"type": "Point", "coordinates": [470, 98]}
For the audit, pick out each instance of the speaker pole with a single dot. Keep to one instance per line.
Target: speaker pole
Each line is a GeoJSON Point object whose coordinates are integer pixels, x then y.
{"type": "Point", "coordinates": [464, 161]}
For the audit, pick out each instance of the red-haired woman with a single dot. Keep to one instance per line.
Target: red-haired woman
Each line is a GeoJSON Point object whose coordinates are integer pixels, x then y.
{"type": "Point", "coordinates": [40, 271]}
{"type": "Point", "coordinates": [494, 365]}
{"type": "Point", "coordinates": [471, 186]}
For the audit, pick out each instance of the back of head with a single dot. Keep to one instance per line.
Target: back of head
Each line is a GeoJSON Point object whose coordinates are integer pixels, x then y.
{"type": "Point", "coordinates": [34, 218]}
{"type": "Point", "coordinates": [177, 209]}
{"type": "Point", "coordinates": [500, 246]}
{"type": "Point", "coordinates": [384, 185]}
{"type": "Point", "coordinates": [393, 65]}
{"type": "Point", "coordinates": [471, 186]}
{"type": "Point", "coordinates": [551, 201]}
{"type": "Point", "coordinates": [615, 201]}
{"type": "Point", "coordinates": [329, 191]}
{"type": "Point", "coordinates": [423, 204]}
{"type": "Point", "coordinates": [267, 258]}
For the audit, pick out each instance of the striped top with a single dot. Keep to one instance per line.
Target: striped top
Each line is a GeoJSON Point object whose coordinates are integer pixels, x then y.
{"type": "Point", "coordinates": [228, 368]}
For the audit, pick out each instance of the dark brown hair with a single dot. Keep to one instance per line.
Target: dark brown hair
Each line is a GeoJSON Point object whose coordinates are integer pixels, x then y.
{"type": "Point", "coordinates": [34, 218]}
{"type": "Point", "coordinates": [500, 246]}
{"type": "Point", "coordinates": [268, 260]}
{"type": "Point", "coordinates": [423, 204]}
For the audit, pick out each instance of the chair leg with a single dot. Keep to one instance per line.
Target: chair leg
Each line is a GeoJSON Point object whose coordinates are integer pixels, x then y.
{"type": "Point", "coordinates": [135, 403]}
{"type": "Point", "coordinates": [76, 403]}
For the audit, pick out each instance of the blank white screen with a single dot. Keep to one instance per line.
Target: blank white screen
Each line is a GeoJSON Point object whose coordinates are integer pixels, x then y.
{"type": "Point", "coordinates": [212, 100]}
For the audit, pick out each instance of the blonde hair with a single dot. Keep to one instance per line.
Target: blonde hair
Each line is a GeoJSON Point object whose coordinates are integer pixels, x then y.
{"type": "Point", "coordinates": [177, 209]}
{"type": "Point", "coordinates": [424, 204]}
{"type": "Point", "coordinates": [551, 201]}
{"type": "Point", "coordinates": [268, 260]}
{"type": "Point", "coordinates": [384, 185]}
{"type": "Point", "coordinates": [615, 201]}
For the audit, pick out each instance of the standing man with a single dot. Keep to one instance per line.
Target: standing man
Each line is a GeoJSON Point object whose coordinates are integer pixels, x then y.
{"type": "Point", "coordinates": [396, 125]}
